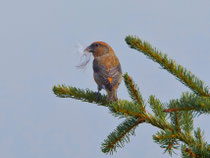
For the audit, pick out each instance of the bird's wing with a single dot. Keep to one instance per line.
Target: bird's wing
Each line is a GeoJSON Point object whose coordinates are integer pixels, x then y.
{"type": "Point", "coordinates": [109, 77]}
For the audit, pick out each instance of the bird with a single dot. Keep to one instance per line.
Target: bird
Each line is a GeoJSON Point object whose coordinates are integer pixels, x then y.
{"type": "Point", "coordinates": [107, 70]}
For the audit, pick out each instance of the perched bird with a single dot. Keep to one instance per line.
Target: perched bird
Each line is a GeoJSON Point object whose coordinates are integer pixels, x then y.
{"type": "Point", "coordinates": [106, 68]}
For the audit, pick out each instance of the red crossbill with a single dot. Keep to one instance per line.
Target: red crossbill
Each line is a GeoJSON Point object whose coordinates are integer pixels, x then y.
{"type": "Point", "coordinates": [106, 68]}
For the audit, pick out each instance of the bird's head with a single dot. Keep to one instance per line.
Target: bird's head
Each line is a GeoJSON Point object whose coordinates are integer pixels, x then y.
{"type": "Point", "coordinates": [99, 48]}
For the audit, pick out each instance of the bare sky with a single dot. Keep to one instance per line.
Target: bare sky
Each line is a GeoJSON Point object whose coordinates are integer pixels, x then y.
{"type": "Point", "coordinates": [37, 51]}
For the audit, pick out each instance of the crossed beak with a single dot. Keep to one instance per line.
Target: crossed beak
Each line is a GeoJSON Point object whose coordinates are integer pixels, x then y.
{"type": "Point", "coordinates": [88, 49]}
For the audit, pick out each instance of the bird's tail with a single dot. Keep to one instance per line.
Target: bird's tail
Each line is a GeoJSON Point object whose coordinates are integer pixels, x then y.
{"type": "Point", "coordinates": [111, 95]}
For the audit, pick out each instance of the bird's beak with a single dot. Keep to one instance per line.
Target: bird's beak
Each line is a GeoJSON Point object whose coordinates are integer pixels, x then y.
{"type": "Point", "coordinates": [88, 49]}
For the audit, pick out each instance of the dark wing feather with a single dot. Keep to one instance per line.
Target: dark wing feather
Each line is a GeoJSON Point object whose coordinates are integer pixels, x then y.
{"type": "Point", "coordinates": [103, 74]}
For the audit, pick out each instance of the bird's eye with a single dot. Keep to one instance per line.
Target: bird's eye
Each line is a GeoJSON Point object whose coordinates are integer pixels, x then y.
{"type": "Point", "coordinates": [96, 44]}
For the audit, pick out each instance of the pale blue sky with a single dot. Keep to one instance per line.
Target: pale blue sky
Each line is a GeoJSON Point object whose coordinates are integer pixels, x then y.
{"type": "Point", "coordinates": [37, 51]}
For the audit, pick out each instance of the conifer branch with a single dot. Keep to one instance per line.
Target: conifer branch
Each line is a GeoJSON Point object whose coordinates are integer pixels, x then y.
{"type": "Point", "coordinates": [87, 95]}
{"type": "Point", "coordinates": [170, 140]}
{"type": "Point", "coordinates": [187, 122]}
{"type": "Point", "coordinates": [186, 77]}
{"type": "Point", "coordinates": [157, 107]}
{"type": "Point", "coordinates": [124, 108]}
{"type": "Point", "coordinates": [190, 101]}
{"type": "Point", "coordinates": [121, 135]}
{"type": "Point", "coordinates": [121, 108]}
{"type": "Point", "coordinates": [172, 133]}
{"type": "Point", "coordinates": [167, 140]}
{"type": "Point", "coordinates": [189, 151]}
{"type": "Point", "coordinates": [177, 122]}
{"type": "Point", "coordinates": [198, 149]}
{"type": "Point", "coordinates": [134, 92]}
{"type": "Point", "coordinates": [179, 109]}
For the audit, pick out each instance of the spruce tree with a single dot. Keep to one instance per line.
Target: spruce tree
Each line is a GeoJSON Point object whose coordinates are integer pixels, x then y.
{"type": "Point", "coordinates": [174, 118]}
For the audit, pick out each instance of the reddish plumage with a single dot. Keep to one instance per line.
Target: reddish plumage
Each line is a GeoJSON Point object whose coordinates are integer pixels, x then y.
{"type": "Point", "coordinates": [107, 68]}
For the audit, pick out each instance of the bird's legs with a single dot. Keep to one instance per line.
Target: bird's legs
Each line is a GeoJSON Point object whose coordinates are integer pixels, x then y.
{"type": "Point", "coordinates": [98, 94]}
